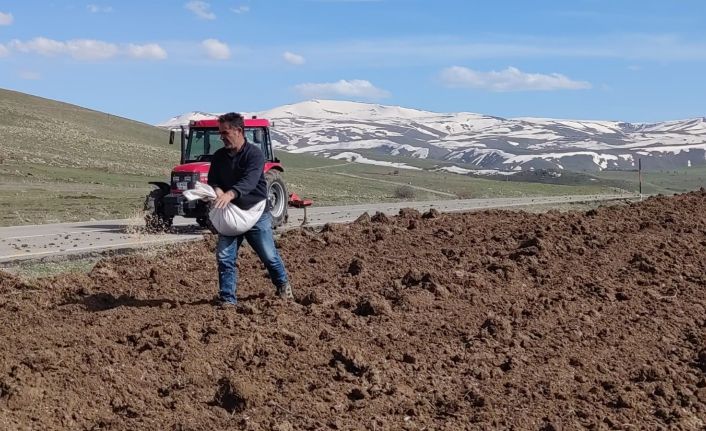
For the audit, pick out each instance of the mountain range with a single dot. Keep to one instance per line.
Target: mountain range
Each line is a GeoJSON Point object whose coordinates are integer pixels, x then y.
{"type": "Point", "coordinates": [466, 142]}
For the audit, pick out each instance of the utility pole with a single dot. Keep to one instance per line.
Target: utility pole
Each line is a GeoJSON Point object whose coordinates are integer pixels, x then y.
{"type": "Point", "coordinates": [639, 174]}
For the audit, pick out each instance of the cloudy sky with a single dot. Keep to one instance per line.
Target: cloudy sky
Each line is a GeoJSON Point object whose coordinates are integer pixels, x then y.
{"type": "Point", "coordinates": [627, 60]}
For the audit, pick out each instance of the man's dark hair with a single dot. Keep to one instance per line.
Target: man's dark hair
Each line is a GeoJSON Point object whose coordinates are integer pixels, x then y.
{"type": "Point", "coordinates": [232, 119]}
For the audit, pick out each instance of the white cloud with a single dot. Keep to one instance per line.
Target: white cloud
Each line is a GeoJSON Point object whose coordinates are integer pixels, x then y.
{"type": "Point", "coordinates": [29, 75]}
{"type": "Point", "coordinates": [99, 9]}
{"type": "Point", "coordinates": [241, 9]}
{"type": "Point", "coordinates": [4, 51]}
{"type": "Point", "coordinates": [292, 58]}
{"type": "Point", "coordinates": [87, 49]}
{"type": "Point", "coordinates": [41, 46]}
{"type": "Point", "coordinates": [201, 9]}
{"type": "Point", "coordinates": [216, 49]}
{"type": "Point", "coordinates": [150, 51]}
{"type": "Point", "coordinates": [510, 79]}
{"type": "Point", "coordinates": [6, 18]}
{"type": "Point", "coordinates": [356, 88]}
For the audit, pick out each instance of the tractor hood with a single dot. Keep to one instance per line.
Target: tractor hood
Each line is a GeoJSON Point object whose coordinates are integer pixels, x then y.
{"type": "Point", "coordinates": [194, 167]}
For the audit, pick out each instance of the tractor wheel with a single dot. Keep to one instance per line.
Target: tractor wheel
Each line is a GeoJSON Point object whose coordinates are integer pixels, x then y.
{"type": "Point", "coordinates": [205, 223]}
{"type": "Point", "coordinates": [155, 220]}
{"type": "Point", "coordinates": [277, 195]}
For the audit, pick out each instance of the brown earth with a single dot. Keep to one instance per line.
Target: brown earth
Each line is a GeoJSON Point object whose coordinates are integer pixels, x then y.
{"type": "Point", "coordinates": [487, 320]}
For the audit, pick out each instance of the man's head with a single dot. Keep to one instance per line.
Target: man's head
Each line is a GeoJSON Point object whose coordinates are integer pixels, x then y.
{"type": "Point", "coordinates": [231, 127]}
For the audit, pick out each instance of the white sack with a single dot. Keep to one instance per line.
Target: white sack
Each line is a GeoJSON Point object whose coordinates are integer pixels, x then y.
{"type": "Point", "coordinates": [231, 220]}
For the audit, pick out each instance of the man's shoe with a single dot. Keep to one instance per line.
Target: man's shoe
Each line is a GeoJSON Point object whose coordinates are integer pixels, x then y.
{"type": "Point", "coordinates": [222, 303]}
{"type": "Point", "coordinates": [285, 292]}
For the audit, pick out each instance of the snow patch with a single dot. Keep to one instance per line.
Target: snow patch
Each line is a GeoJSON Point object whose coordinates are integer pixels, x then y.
{"type": "Point", "coordinates": [599, 159]}
{"type": "Point", "coordinates": [454, 170]}
{"type": "Point", "coordinates": [357, 158]}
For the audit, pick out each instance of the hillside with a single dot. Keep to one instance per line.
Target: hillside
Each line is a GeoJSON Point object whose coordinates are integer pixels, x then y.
{"type": "Point", "coordinates": [55, 134]}
{"type": "Point", "coordinates": [60, 162]}
{"type": "Point", "coordinates": [350, 130]}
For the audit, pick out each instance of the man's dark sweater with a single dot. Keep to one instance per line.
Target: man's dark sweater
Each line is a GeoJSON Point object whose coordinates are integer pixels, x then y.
{"type": "Point", "coordinates": [242, 172]}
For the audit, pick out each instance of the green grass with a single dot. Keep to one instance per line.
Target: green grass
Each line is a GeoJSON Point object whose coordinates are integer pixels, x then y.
{"type": "Point", "coordinates": [41, 203]}
{"type": "Point", "coordinates": [666, 182]}
{"type": "Point", "coordinates": [31, 269]}
{"type": "Point", "coordinates": [37, 194]}
{"type": "Point", "coordinates": [304, 161]}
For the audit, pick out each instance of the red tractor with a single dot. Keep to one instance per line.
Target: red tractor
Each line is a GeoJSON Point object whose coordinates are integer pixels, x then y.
{"type": "Point", "coordinates": [198, 144]}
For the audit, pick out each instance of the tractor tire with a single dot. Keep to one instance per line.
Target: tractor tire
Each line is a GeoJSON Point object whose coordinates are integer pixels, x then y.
{"type": "Point", "coordinates": [277, 195]}
{"type": "Point", "coordinates": [155, 220]}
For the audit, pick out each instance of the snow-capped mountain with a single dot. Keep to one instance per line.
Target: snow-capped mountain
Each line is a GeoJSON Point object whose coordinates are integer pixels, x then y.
{"type": "Point", "coordinates": [184, 119]}
{"type": "Point", "coordinates": [476, 141]}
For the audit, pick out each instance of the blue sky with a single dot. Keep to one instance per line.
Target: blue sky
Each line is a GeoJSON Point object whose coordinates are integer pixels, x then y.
{"type": "Point", "coordinates": [639, 61]}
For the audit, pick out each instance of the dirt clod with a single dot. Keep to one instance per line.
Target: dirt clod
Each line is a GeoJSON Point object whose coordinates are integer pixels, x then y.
{"type": "Point", "coordinates": [372, 307]}
{"type": "Point", "coordinates": [409, 213]}
{"type": "Point", "coordinates": [432, 213]}
{"type": "Point", "coordinates": [363, 219]}
{"type": "Point", "coordinates": [380, 217]}
{"type": "Point", "coordinates": [234, 396]}
{"type": "Point", "coordinates": [355, 267]}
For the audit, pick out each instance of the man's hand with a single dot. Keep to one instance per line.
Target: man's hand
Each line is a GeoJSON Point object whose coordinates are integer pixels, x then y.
{"type": "Point", "coordinates": [218, 191]}
{"type": "Point", "coordinates": [223, 199]}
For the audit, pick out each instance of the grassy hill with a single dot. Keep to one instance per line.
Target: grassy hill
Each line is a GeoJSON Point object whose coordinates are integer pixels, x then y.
{"type": "Point", "coordinates": [58, 135]}
{"type": "Point", "coordinates": [60, 162]}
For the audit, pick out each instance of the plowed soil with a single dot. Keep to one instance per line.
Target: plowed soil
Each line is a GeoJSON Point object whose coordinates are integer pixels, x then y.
{"type": "Point", "coordinates": [487, 320]}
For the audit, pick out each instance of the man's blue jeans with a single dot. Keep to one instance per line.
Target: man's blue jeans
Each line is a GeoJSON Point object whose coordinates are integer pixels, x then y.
{"type": "Point", "coordinates": [261, 240]}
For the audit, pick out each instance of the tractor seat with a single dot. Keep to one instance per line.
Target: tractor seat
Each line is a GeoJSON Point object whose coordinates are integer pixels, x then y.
{"type": "Point", "coordinates": [258, 136]}
{"type": "Point", "coordinates": [204, 158]}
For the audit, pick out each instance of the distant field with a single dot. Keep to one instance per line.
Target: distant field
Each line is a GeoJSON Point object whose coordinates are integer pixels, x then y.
{"type": "Point", "coordinates": [666, 182]}
{"type": "Point", "coordinates": [330, 182]}
{"type": "Point", "coordinates": [35, 194]}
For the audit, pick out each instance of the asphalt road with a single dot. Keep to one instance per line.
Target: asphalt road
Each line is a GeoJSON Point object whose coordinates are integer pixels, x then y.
{"type": "Point", "coordinates": [65, 239]}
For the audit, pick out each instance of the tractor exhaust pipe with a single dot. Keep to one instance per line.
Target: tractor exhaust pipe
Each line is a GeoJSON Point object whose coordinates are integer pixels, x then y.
{"type": "Point", "coordinates": [183, 144]}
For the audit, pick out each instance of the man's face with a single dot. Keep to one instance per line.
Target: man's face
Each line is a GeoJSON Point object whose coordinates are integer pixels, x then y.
{"type": "Point", "coordinates": [231, 136]}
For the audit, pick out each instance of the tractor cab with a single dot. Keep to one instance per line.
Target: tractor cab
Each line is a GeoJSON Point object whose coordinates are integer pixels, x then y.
{"type": "Point", "coordinates": [201, 139]}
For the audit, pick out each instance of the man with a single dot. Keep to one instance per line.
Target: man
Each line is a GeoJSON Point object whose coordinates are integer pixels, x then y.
{"type": "Point", "coordinates": [237, 176]}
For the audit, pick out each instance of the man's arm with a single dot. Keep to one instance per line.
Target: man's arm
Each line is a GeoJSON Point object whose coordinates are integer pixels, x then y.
{"type": "Point", "coordinates": [212, 173]}
{"type": "Point", "coordinates": [222, 199]}
{"type": "Point", "coordinates": [213, 176]}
